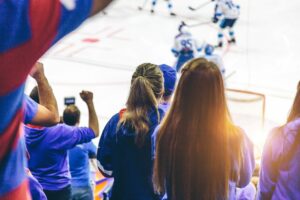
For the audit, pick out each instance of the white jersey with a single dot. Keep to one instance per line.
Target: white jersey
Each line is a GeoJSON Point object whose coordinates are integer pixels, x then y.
{"type": "Point", "coordinates": [217, 60]}
{"type": "Point", "coordinates": [228, 9]}
{"type": "Point", "coordinates": [184, 42]}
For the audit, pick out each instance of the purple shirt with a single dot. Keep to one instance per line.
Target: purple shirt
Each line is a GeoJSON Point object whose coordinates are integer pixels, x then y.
{"type": "Point", "coordinates": [30, 109]}
{"type": "Point", "coordinates": [279, 178]}
{"type": "Point", "coordinates": [48, 148]}
{"type": "Point", "coordinates": [36, 189]}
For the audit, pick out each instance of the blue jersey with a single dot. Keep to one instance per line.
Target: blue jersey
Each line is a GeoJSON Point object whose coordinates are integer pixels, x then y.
{"type": "Point", "coordinates": [131, 166]}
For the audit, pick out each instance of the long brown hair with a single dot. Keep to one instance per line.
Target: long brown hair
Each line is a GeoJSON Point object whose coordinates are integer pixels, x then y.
{"type": "Point", "coordinates": [193, 158]}
{"type": "Point", "coordinates": [295, 110]}
{"type": "Point", "coordinates": [146, 88]}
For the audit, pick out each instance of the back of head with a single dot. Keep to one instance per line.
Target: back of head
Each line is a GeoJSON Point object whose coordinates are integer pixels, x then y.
{"type": "Point", "coordinates": [34, 94]}
{"type": "Point", "coordinates": [146, 88]}
{"type": "Point", "coordinates": [71, 115]}
{"type": "Point", "coordinates": [209, 49]}
{"type": "Point", "coordinates": [193, 137]}
{"type": "Point", "coordinates": [295, 110]}
{"type": "Point", "coordinates": [170, 77]}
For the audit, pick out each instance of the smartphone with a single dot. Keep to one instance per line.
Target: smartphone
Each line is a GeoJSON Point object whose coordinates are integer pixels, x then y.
{"type": "Point", "coordinates": [69, 101]}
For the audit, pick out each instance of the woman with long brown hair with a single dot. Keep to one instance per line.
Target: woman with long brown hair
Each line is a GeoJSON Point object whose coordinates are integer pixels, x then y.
{"type": "Point", "coordinates": [200, 153]}
{"type": "Point", "coordinates": [280, 165]}
{"type": "Point", "coordinates": [124, 151]}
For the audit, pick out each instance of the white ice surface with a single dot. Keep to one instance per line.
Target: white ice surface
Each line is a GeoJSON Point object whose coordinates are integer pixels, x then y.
{"type": "Point", "coordinates": [265, 59]}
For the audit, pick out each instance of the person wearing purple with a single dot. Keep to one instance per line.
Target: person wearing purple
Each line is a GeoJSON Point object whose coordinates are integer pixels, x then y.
{"type": "Point", "coordinates": [48, 149]}
{"type": "Point", "coordinates": [280, 166]}
{"type": "Point", "coordinates": [170, 77]}
{"type": "Point", "coordinates": [45, 113]}
{"type": "Point", "coordinates": [79, 159]}
{"type": "Point", "coordinates": [200, 153]}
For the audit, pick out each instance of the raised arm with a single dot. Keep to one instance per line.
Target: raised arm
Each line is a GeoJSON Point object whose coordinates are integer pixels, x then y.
{"type": "Point", "coordinates": [87, 97]}
{"type": "Point", "coordinates": [47, 113]}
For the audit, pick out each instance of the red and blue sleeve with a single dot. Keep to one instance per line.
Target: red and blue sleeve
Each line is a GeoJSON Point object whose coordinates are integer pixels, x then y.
{"type": "Point", "coordinates": [28, 29]}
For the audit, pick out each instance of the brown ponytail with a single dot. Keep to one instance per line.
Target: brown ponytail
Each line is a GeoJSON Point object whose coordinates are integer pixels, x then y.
{"type": "Point", "coordinates": [146, 88]}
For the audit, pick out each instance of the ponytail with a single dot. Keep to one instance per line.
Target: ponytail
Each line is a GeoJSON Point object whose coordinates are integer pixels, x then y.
{"type": "Point", "coordinates": [146, 88]}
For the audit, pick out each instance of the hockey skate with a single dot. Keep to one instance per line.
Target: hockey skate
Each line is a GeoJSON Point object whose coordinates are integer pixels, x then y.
{"type": "Point", "coordinates": [219, 45]}
{"type": "Point", "coordinates": [232, 41]}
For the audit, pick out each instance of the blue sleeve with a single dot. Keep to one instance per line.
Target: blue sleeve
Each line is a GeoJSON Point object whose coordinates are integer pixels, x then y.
{"type": "Point", "coordinates": [268, 170]}
{"type": "Point", "coordinates": [66, 137]}
{"type": "Point", "coordinates": [105, 147]}
{"type": "Point", "coordinates": [73, 13]}
{"type": "Point", "coordinates": [31, 108]}
{"type": "Point", "coordinates": [248, 162]}
{"type": "Point", "coordinates": [153, 142]}
{"type": "Point", "coordinates": [92, 149]}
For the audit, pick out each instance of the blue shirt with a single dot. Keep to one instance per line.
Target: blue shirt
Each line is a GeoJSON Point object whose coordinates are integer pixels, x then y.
{"type": "Point", "coordinates": [48, 148]}
{"type": "Point", "coordinates": [131, 166]}
{"type": "Point", "coordinates": [79, 164]}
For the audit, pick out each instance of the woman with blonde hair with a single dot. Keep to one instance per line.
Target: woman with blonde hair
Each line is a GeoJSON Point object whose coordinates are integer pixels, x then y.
{"type": "Point", "coordinates": [280, 166]}
{"type": "Point", "coordinates": [200, 153]}
{"type": "Point", "coordinates": [124, 151]}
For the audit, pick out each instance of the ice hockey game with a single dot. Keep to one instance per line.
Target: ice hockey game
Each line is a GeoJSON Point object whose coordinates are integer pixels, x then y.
{"type": "Point", "coordinates": [149, 100]}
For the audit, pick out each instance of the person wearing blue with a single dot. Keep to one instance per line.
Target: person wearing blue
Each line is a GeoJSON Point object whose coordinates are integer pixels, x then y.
{"type": "Point", "coordinates": [48, 148]}
{"type": "Point", "coordinates": [170, 7]}
{"type": "Point", "coordinates": [200, 153]}
{"type": "Point", "coordinates": [215, 58]}
{"type": "Point", "coordinates": [124, 150]}
{"type": "Point", "coordinates": [170, 77]}
{"type": "Point", "coordinates": [79, 159]}
{"type": "Point", "coordinates": [186, 46]}
{"type": "Point", "coordinates": [228, 12]}
{"type": "Point", "coordinates": [280, 166]}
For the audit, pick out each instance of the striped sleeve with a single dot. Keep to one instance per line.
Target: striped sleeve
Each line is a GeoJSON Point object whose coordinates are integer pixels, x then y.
{"type": "Point", "coordinates": [28, 29]}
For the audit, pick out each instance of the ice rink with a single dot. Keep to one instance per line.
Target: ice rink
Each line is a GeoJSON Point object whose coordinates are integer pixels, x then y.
{"type": "Point", "coordinates": [102, 54]}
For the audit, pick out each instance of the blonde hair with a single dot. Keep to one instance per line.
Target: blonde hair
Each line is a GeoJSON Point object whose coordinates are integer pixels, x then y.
{"type": "Point", "coordinates": [146, 88]}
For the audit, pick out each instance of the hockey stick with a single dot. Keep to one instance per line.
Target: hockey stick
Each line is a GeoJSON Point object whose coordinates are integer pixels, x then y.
{"type": "Point", "coordinates": [143, 6]}
{"type": "Point", "coordinates": [230, 75]}
{"type": "Point", "coordinates": [200, 6]}
{"type": "Point", "coordinates": [198, 24]}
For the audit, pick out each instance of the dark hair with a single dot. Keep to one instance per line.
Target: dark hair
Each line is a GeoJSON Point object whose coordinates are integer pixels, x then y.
{"type": "Point", "coordinates": [146, 88]}
{"type": "Point", "coordinates": [71, 115]}
{"type": "Point", "coordinates": [34, 94]}
{"type": "Point", "coordinates": [193, 142]}
{"type": "Point", "coordinates": [295, 110]}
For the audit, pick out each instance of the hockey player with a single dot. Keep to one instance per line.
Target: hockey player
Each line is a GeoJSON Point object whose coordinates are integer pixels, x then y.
{"type": "Point", "coordinates": [186, 47]}
{"type": "Point", "coordinates": [215, 58]}
{"type": "Point", "coordinates": [170, 6]}
{"type": "Point", "coordinates": [228, 12]}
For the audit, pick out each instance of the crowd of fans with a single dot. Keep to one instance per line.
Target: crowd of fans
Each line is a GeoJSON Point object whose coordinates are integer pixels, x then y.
{"type": "Point", "coordinates": [160, 146]}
